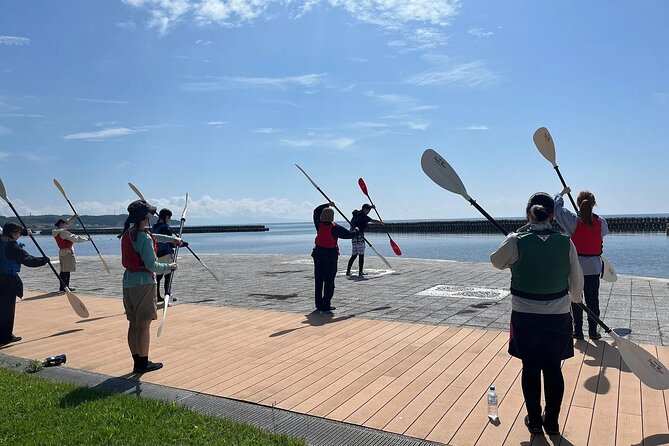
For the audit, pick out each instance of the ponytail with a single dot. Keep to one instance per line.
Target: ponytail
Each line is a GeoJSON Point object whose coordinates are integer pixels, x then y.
{"type": "Point", "coordinates": [586, 201]}
{"type": "Point", "coordinates": [539, 213]}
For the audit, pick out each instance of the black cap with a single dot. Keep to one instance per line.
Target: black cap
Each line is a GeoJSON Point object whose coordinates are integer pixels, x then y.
{"type": "Point", "coordinates": [366, 206]}
{"type": "Point", "coordinates": [59, 222]}
{"type": "Point", "coordinates": [543, 199]}
{"type": "Point", "coordinates": [138, 211]}
{"type": "Point", "coordinates": [10, 227]}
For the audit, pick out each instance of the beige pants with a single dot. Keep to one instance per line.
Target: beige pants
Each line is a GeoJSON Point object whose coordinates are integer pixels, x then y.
{"type": "Point", "coordinates": [68, 263]}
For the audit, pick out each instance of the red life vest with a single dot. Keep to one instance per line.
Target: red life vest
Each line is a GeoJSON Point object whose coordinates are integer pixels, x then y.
{"type": "Point", "coordinates": [130, 258]}
{"type": "Point", "coordinates": [588, 239]}
{"type": "Point", "coordinates": [62, 243]}
{"type": "Point", "coordinates": [324, 238]}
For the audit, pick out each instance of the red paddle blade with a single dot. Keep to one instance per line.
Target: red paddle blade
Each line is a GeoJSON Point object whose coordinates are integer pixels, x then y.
{"type": "Point", "coordinates": [396, 249]}
{"type": "Point", "coordinates": [363, 186]}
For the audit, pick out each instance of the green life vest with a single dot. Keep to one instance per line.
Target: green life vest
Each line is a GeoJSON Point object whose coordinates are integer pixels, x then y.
{"type": "Point", "coordinates": [542, 269]}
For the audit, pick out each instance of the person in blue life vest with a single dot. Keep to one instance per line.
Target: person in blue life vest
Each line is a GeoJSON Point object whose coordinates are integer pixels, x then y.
{"type": "Point", "coordinates": [12, 256]}
{"type": "Point", "coordinates": [138, 255]}
{"type": "Point", "coordinates": [165, 251]}
{"type": "Point", "coordinates": [546, 278]}
{"type": "Point", "coordinates": [587, 231]}
{"type": "Point", "coordinates": [360, 220]}
{"type": "Point", "coordinates": [65, 241]}
{"type": "Point", "coordinates": [326, 254]}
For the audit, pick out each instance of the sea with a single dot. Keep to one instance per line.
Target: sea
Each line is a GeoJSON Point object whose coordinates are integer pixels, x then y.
{"type": "Point", "coordinates": [643, 254]}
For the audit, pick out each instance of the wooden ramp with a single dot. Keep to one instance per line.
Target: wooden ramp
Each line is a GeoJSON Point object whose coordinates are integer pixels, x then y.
{"type": "Point", "coordinates": [424, 381]}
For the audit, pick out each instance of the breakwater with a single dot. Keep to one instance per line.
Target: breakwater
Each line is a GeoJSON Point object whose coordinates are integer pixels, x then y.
{"type": "Point", "coordinates": [616, 225]}
{"type": "Point", "coordinates": [187, 229]}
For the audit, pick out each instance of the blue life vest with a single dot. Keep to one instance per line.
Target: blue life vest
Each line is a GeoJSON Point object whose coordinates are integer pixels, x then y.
{"type": "Point", "coordinates": [8, 266]}
{"type": "Point", "coordinates": [163, 249]}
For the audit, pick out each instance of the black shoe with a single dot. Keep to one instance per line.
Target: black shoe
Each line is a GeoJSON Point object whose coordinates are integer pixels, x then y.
{"type": "Point", "coordinates": [147, 367]}
{"type": "Point", "coordinates": [534, 429]}
{"type": "Point", "coordinates": [173, 299]}
{"type": "Point", "coordinates": [578, 335]}
{"type": "Point", "coordinates": [333, 308]}
{"type": "Point", "coordinates": [15, 338]}
{"type": "Point", "coordinates": [594, 335]}
{"type": "Point", "coordinates": [551, 427]}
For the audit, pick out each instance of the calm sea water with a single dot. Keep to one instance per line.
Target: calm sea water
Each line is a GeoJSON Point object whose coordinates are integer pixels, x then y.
{"type": "Point", "coordinates": [634, 254]}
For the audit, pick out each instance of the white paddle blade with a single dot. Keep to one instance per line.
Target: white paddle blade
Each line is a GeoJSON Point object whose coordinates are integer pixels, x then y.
{"type": "Point", "coordinates": [544, 142]}
{"type": "Point", "coordinates": [136, 191]}
{"type": "Point", "coordinates": [76, 304]}
{"type": "Point", "coordinates": [645, 366]}
{"type": "Point", "coordinates": [383, 259]}
{"type": "Point", "coordinates": [3, 192]}
{"type": "Point", "coordinates": [608, 273]}
{"type": "Point", "coordinates": [162, 321]}
{"type": "Point", "coordinates": [439, 171]}
{"type": "Point", "coordinates": [59, 187]}
{"type": "Point", "coordinates": [104, 264]}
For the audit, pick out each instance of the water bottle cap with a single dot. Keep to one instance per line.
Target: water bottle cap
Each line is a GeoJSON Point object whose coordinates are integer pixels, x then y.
{"type": "Point", "coordinates": [492, 387]}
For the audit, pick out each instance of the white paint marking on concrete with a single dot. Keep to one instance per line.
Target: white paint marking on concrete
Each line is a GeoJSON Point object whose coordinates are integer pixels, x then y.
{"type": "Point", "coordinates": [464, 292]}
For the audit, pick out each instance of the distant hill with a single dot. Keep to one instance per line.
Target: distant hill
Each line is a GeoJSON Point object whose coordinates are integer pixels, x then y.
{"type": "Point", "coordinates": [40, 222]}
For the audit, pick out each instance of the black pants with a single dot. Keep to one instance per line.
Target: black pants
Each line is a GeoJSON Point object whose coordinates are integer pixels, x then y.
{"type": "Point", "coordinates": [8, 288]}
{"type": "Point", "coordinates": [361, 263]}
{"type": "Point", "coordinates": [553, 390]}
{"type": "Point", "coordinates": [64, 280]}
{"type": "Point", "coordinates": [324, 275]}
{"type": "Point", "coordinates": [168, 279]}
{"type": "Point", "coordinates": [591, 293]}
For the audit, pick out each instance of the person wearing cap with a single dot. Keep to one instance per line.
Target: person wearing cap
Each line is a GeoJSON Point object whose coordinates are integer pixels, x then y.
{"type": "Point", "coordinates": [138, 255]}
{"type": "Point", "coordinates": [12, 256]}
{"type": "Point", "coordinates": [546, 278]}
{"type": "Point", "coordinates": [165, 251]}
{"type": "Point", "coordinates": [359, 220]}
{"type": "Point", "coordinates": [587, 231]}
{"type": "Point", "coordinates": [65, 241]}
{"type": "Point", "coordinates": [326, 254]}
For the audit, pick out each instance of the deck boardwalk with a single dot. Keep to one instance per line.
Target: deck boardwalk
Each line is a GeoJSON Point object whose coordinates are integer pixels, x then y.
{"type": "Point", "coordinates": [416, 379]}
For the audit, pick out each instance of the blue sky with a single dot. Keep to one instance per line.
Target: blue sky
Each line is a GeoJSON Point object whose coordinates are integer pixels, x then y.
{"type": "Point", "coordinates": [221, 98]}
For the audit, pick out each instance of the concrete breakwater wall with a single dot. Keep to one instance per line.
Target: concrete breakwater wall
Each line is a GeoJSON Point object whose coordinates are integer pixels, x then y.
{"type": "Point", "coordinates": [187, 229]}
{"type": "Point", "coordinates": [616, 224]}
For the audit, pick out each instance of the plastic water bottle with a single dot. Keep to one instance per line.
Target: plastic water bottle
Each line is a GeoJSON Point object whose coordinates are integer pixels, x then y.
{"type": "Point", "coordinates": [492, 404]}
{"type": "Point", "coordinates": [52, 361]}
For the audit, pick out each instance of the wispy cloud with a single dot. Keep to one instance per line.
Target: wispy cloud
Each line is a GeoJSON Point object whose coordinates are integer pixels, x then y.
{"type": "Point", "coordinates": [475, 127]}
{"type": "Point", "coordinates": [405, 111]}
{"type": "Point", "coordinates": [479, 32]}
{"type": "Point", "coordinates": [101, 101]}
{"type": "Point", "coordinates": [305, 80]}
{"type": "Point", "coordinates": [217, 124]}
{"type": "Point", "coordinates": [266, 130]}
{"type": "Point", "coordinates": [14, 40]}
{"type": "Point", "coordinates": [339, 143]}
{"type": "Point", "coordinates": [394, 14]}
{"type": "Point", "coordinates": [4, 156]}
{"type": "Point", "coordinates": [105, 133]}
{"type": "Point", "coordinates": [20, 115]}
{"type": "Point", "coordinates": [204, 42]}
{"type": "Point", "coordinates": [472, 74]}
{"type": "Point", "coordinates": [127, 25]}
{"type": "Point", "coordinates": [4, 130]}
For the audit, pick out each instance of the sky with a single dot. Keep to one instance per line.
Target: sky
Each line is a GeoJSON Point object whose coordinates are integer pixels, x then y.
{"type": "Point", "coordinates": [221, 98]}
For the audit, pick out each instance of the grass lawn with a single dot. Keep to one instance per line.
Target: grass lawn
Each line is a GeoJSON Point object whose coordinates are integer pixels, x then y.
{"type": "Point", "coordinates": [39, 412]}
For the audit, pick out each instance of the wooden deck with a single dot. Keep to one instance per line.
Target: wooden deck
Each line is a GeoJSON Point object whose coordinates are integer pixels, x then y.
{"type": "Point", "coordinates": [425, 381]}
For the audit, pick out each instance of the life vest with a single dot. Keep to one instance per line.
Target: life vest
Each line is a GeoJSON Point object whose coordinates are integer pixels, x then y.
{"type": "Point", "coordinates": [130, 258]}
{"type": "Point", "coordinates": [588, 239]}
{"type": "Point", "coordinates": [62, 243]}
{"type": "Point", "coordinates": [542, 269]}
{"type": "Point", "coordinates": [8, 266]}
{"type": "Point", "coordinates": [163, 248]}
{"type": "Point", "coordinates": [324, 237]}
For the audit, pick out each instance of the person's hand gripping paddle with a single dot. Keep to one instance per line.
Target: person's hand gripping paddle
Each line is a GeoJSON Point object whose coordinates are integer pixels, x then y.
{"type": "Point", "coordinates": [393, 245]}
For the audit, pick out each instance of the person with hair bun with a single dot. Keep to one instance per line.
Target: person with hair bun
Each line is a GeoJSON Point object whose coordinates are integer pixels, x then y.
{"type": "Point", "coordinates": [587, 231]}
{"type": "Point", "coordinates": [326, 254]}
{"type": "Point", "coordinates": [546, 279]}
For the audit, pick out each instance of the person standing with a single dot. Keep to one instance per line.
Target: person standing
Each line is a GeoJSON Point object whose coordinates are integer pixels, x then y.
{"type": "Point", "coordinates": [359, 220]}
{"type": "Point", "coordinates": [326, 254]}
{"type": "Point", "coordinates": [587, 231]}
{"type": "Point", "coordinates": [12, 256]}
{"type": "Point", "coordinates": [138, 255]}
{"type": "Point", "coordinates": [546, 278]}
{"type": "Point", "coordinates": [65, 241]}
{"type": "Point", "coordinates": [165, 251]}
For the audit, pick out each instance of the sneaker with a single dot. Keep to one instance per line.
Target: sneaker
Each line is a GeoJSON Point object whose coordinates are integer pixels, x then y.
{"type": "Point", "coordinates": [148, 367]}
{"type": "Point", "coordinates": [348, 273]}
{"type": "Point", "coordinates": [333, 308]}
{"type": "Point", "coordinates": [362, 274]}
{"type": "Point", "coordinates": [532, 428]}
{"type": "Point", "coordinates": [578, 335]}
{"type": "Point", "coordinates": [12, 339]}
{"type": "Point", "coordinates": [595, 335]}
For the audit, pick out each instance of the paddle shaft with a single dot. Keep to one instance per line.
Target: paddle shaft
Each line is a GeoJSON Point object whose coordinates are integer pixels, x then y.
{"type": "Point", "coordinates": [564, 184]}
{"type": "Point", "coordinates": [176, 254]}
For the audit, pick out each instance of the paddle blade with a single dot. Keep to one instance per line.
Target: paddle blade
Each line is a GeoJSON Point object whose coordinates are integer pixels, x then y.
{"type": "Point", "coordinates": [3, 192]}
{"type": "Point", "coordinates": [442, 173]}
{"type": "Point", "coordinates": [136, 191]}
{"type": "Point", "coordinates": [363, 186]}
{"type": "Point", "coordinates": [59, 187]}
{"type": "Point", "coordinates": [396, 249]}
{"type": "Point", "coordinates": [544, 142]}
{"type": "Point", "coordinates": [645, 366]}
{"type": "Point", "coordinates": [104, 264]}
{"type": "Point", "coordinates": [166, 305]}
{"type": "Point", "coordinates": [308, 177]}
{"type": "Point", "coordinates": [76, 304]}
{"type": "Point", "coordinates": [608, 273]}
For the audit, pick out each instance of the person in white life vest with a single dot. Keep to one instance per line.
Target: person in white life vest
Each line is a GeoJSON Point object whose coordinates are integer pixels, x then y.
{"type": "Point", "coordinates": [326, 254]}
{"type": "Point", "coordinates": [545, 279]}
{"type": "Point", "coordinates": [587, 231]}
{"type": "Point", "coordinates": [65, 241]}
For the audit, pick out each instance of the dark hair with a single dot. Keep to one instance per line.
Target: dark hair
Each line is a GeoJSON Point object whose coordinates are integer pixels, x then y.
{"type": "Point", "coordinates": [366, 206]}
{"type": "Point", "coordinates": [59, 222]}
{"type": "Point", "coordinates": [540, 206]}
{"type": "Point", "coordinates": [585, 202]}
{"type": "Point", "coordinates": [164, 213]}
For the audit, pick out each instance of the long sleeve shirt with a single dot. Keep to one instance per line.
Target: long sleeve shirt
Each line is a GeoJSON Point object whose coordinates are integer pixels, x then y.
{"type": "Point", "coordinates": [329, 254]}
{"type": "Point", "coordinates": [507, 254]}
{"type": "Point", "coordinates": [14, 251]}
{"type": "Point", "coordinates": [67, 235]}
{"type": "Point", "coordinates": [144, 246]}
{"type": "Point", "coordinates": [568, 220]}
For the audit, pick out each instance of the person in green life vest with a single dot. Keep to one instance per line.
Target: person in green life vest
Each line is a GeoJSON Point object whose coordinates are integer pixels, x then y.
{"type": "Point", "coordinates": [546, 278]}
{"type": "Point", "coordinates": [65, 241]}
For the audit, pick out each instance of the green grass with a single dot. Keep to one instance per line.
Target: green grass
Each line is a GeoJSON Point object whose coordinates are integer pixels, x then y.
{"type": "Point", "coordinates": [39, 412]}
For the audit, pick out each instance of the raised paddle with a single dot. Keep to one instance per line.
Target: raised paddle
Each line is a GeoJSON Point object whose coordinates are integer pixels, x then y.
{"type": "Point", "coordinates": [62, 191]}
{"type": "Point", "coordinates": [544, 143]}
{"type": "Point", "coordinates": [141, 197]}
{"type": "Point", "coordinates": [393, 245]}
{"type": "Point", "coordinates": [342, 214]}
{"type": "Point", "coordinates": [76, 303]}
{"type": "Point", "coordinates": [645, 366]}
{"type": "Point", "coordinates": [168, 292]}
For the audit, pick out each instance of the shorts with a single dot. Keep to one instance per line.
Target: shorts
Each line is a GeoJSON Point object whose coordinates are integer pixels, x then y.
{"type": "Point", "coordinates": [140, 303]}
{"type": "Point", "coordinates": [357, 245]}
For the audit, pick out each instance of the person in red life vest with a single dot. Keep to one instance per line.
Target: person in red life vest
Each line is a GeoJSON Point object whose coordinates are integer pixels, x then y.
{"type": "Point", "coordinates": [545, 279]}
{"type": "Point", "coordinates": [360, 220]}
{"type": "Point", "coordinates": [65, 241]}
{"type": "Point", "coordinates": [587, 231]}
{"type": "Point", "coordinates": [12, 256]}
{"type": "Point", "coordinates": [326, 254]}
{"type": "Point", "coordinates": [138, 255]}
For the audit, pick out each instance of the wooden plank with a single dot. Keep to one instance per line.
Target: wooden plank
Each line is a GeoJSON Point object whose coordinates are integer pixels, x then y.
{"type": "Point", "coordinates": [629, 425]}
{"type": "Point", "coordinates": [653, 409]}
{"type": "Point", "coordinates": [605, 411]}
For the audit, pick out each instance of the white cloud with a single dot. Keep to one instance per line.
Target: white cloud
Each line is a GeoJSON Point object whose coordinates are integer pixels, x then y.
{"type": "Point", "coordinates": [338, 143]}
{"type": "Point", "coordinates": [5, 130]}
{"type": "Point", "coordinates": [14, 40]}
{"type": "Point", "coordinates": [394, 14]}
{"type": "Point", "coordinates": [101, 101]}
{"type": "Point", "coordinates": [105, 133]}
{"type": "Point", "coordinates": [406, 111]}
{"type": "Point", "coordinates": [217, 124]}
{"type": "Point", "coordinates": [472, 74]}
{"type": "Point", "coordinates": [221, 83]}
{"type": "Point", "coordinates": [204, 42]}
{"type": "Point", "coordinates": [127, 25]}
{"type": "Point", "coordinates": [478, 32]}
{"type": "Point", "coordinates": [266, 130]}
{"type": "Point", "coordinates": [20, 115]}
{"type": "Point", "coordinates": [475, 127]}
{"type": "Point", "coordinates": [4, 156]}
